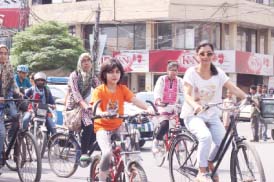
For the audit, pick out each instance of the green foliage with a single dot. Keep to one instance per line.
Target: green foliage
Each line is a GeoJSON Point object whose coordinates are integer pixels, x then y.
{"type": "Point", "coordinates": [46, 46]}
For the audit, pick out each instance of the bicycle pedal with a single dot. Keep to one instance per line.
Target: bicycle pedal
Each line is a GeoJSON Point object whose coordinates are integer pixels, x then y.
{"type": "Point", "coordinates": [189, 170]}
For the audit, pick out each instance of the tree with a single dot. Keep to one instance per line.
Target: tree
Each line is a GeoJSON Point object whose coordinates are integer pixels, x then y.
{"type": "Point", "coordinates": [46, 46]}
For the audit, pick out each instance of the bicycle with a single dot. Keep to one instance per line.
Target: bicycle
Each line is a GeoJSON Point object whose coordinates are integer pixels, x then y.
{"type": "Point", "coordinates": [243, 160]}
{"type": "Point", "coordinates": [64, 153]}
{"type": "Point", "coordinates": [174, 129]}
{"type": "Point", "coordinates": [125, 162]}
{"type": "Point", "coordinates": [38, 128]}
{"type": "Point", "coordinates": [26, 154]}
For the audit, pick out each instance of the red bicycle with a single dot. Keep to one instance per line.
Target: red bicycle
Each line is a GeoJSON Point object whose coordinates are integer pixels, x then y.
{"type": "Point", "coordinates": [125, 162]}
{"type": "Point", "coordinates": [171, 113]}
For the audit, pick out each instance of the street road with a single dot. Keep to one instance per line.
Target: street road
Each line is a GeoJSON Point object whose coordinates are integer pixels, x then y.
{"type": "Point", "coordinates": [157, 174]}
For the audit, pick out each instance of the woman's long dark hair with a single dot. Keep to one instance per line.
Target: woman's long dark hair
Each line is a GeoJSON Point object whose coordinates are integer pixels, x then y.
{"type": "Point", "coordinates": [213, 68]}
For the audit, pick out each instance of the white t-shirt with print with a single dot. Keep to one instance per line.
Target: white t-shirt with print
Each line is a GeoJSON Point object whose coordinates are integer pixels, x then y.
{"type": "Point", "coordinates": [204, 91]}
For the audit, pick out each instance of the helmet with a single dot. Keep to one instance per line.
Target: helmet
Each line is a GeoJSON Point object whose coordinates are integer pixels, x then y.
{"type": "Point", "coordinates": [40, 75]}
{"type": "Point", "coordinates": [23, 68]}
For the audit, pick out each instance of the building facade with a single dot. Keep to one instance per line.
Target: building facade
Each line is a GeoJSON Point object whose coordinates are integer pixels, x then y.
{"type": "Point", "coordinates": [143, 31]}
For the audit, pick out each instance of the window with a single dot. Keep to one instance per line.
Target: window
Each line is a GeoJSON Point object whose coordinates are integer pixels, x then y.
{"type": "Point", "coordinates": [88, 29]}
{"type": "Point", "coordinates": [72, 30]}
{"type": "Point", "coordinates": [164, 35]}
{"type": "Point", "coordinates": [272, 42]}
{"type": "Point", "coordinates": [246, 39]}
{"type": "Point", "coordinates": [189, 35]}
{"type": "Point", "coordinates": [125, 37]}
{"type": "Point", "coordinates": [262, 39]}
{"type": "Point", "coordinates": [226, 37]}
{"type": "Point", "coordinates": [111, 44]}
{"type": "Point", "coordinates": [41, 2]}
{"type": "Point", "coordinates": [140, 36]}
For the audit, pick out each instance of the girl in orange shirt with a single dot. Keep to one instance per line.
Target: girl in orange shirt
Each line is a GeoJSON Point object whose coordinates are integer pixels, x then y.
{"type": "Point", "coordinates": [112, 95]}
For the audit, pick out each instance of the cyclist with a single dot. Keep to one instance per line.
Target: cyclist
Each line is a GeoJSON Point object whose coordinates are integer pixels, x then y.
{"type": "Point", "coordinates": [80, 84]}
{"type": "Point", "coordinates": [112, 95]}
{"type": "Point", "coordinates": [166, 91]}
{"type": "Point", "coordinates": [203, 84]}
{"type": "Point", "coordinates": [21, 78]}
{"type": "Point", "coordinates": [40, 92]}
{"type": "Point", "coordinates": [7, 89]}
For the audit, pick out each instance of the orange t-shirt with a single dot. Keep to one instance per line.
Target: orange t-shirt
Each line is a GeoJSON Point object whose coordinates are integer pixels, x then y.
{"type": "Point", "coordinates": [112, 102]}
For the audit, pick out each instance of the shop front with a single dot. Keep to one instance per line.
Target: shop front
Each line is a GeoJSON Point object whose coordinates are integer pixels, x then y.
{"type": "Point", "coordinates": [253, 68]}
{"type": "Point", "coordinates": [144, 67]}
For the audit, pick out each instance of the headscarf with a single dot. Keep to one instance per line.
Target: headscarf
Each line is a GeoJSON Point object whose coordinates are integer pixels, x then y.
{"type": "Point", "coordinates": [85, 80]}
{"type": "Point", "coordinates": [7, 75]}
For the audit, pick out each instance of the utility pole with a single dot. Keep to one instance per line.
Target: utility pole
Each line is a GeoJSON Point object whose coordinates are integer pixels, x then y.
{"type": "Point", "coordinates": [95, 47]}
{"type": "Point", "coordinates": [24, 15]}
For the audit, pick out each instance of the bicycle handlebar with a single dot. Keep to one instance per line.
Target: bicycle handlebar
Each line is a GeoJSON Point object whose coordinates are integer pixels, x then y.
{"type": "Point", "coordinates": [31, 100]}
{"type": "Point", "coordinates": [124, 116]}
{"type": "Point", "coordinates": [220, 105]}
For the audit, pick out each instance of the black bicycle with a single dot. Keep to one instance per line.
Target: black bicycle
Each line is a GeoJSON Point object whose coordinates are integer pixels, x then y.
{"type": "Point", "coordinates": [245, 163]}
{"type": "Point", "coordinates": [20, 150]}
{"type": "Point", "coordinates": [64, 153]}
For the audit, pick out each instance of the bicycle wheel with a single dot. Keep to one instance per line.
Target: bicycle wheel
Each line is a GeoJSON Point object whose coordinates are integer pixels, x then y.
{"type": "Point", "coordinates": [41, 139]}
{"type": "Point", "coordinates": [63, 155]}
{"type": "Point", "coordinates": [29, 164]}
{"type": "Point", "coordinates": [182, 159]}
{"type": "Point", "coordinates": [10, 161]}
{"type": "Point", "coordinates": [136, 173]}
{"type": "Point", "coordinates": [160, 156]}
{"type": "Point", "coordinates": [245, 164]}
{"type": "Point", "coordinates": [94, 169]}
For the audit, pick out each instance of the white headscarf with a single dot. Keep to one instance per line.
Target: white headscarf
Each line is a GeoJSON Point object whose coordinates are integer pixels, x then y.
{"type": "Point", "coordinates": [85, 74]}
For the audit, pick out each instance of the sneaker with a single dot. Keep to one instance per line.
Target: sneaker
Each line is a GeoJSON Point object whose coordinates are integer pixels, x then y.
{"type": "Point", "coordinates": [203, 177]}
{"type": "Point", "coordinates": [84, 157]}
{"type": "Point", "coordinates": [155, 146]}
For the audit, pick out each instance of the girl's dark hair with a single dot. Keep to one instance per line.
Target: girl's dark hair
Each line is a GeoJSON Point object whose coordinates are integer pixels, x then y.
{"type": "Point", "coordinates": [213, 68]}
{"type": "Point", "coordinates": [108, 66]}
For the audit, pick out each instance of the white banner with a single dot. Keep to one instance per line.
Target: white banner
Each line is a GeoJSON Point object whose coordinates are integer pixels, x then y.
{"type": "Point", "coordinates": [134, 60]}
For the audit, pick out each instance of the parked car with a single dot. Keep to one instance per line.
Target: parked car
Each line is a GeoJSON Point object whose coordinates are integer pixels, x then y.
{"type": "Point", "coordinates": [58, 88]}
{"type": "Point", "coordinates": [57, 80]}
{"type": "Point", "coordinates": [267, 113]}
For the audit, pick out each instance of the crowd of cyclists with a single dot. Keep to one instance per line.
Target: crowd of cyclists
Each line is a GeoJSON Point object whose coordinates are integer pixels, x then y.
{"type": "Point", "coordinates": [202, 84]}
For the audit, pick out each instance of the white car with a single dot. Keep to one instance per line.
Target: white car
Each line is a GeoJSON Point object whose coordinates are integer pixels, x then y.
{"type": "Point", "coordinates": [58, 93]}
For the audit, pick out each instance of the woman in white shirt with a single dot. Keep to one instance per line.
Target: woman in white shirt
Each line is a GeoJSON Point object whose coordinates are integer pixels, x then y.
{"type": "Point", "coordinates": [202, 85]}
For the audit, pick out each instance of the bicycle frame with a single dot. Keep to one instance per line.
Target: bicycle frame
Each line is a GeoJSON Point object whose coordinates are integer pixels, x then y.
{"type": "Point", "coordinates": [172, 132]}
{"type": "Point", "coordinates": [118, 166]}
{"type": "Point", "coordinates": [227, 140]}
{"type": "Point", "coordinates": [11, 143]}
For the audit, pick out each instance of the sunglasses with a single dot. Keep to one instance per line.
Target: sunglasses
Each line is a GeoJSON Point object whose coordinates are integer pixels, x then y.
{"type": "Point", "coordinates": [174, 70]}
{"type": "Point", "coordinates": [208, 54]}
{"type": "Point", "coordinates": [41, 80]}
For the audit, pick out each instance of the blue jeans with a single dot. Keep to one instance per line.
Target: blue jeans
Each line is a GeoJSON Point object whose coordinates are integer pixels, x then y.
{"type": "Point", "coordinates": [2, 134]}
{"type": "Point", "coordinates": [49, 123]}
{"type": "Point", "coordinates": [12, 113]}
